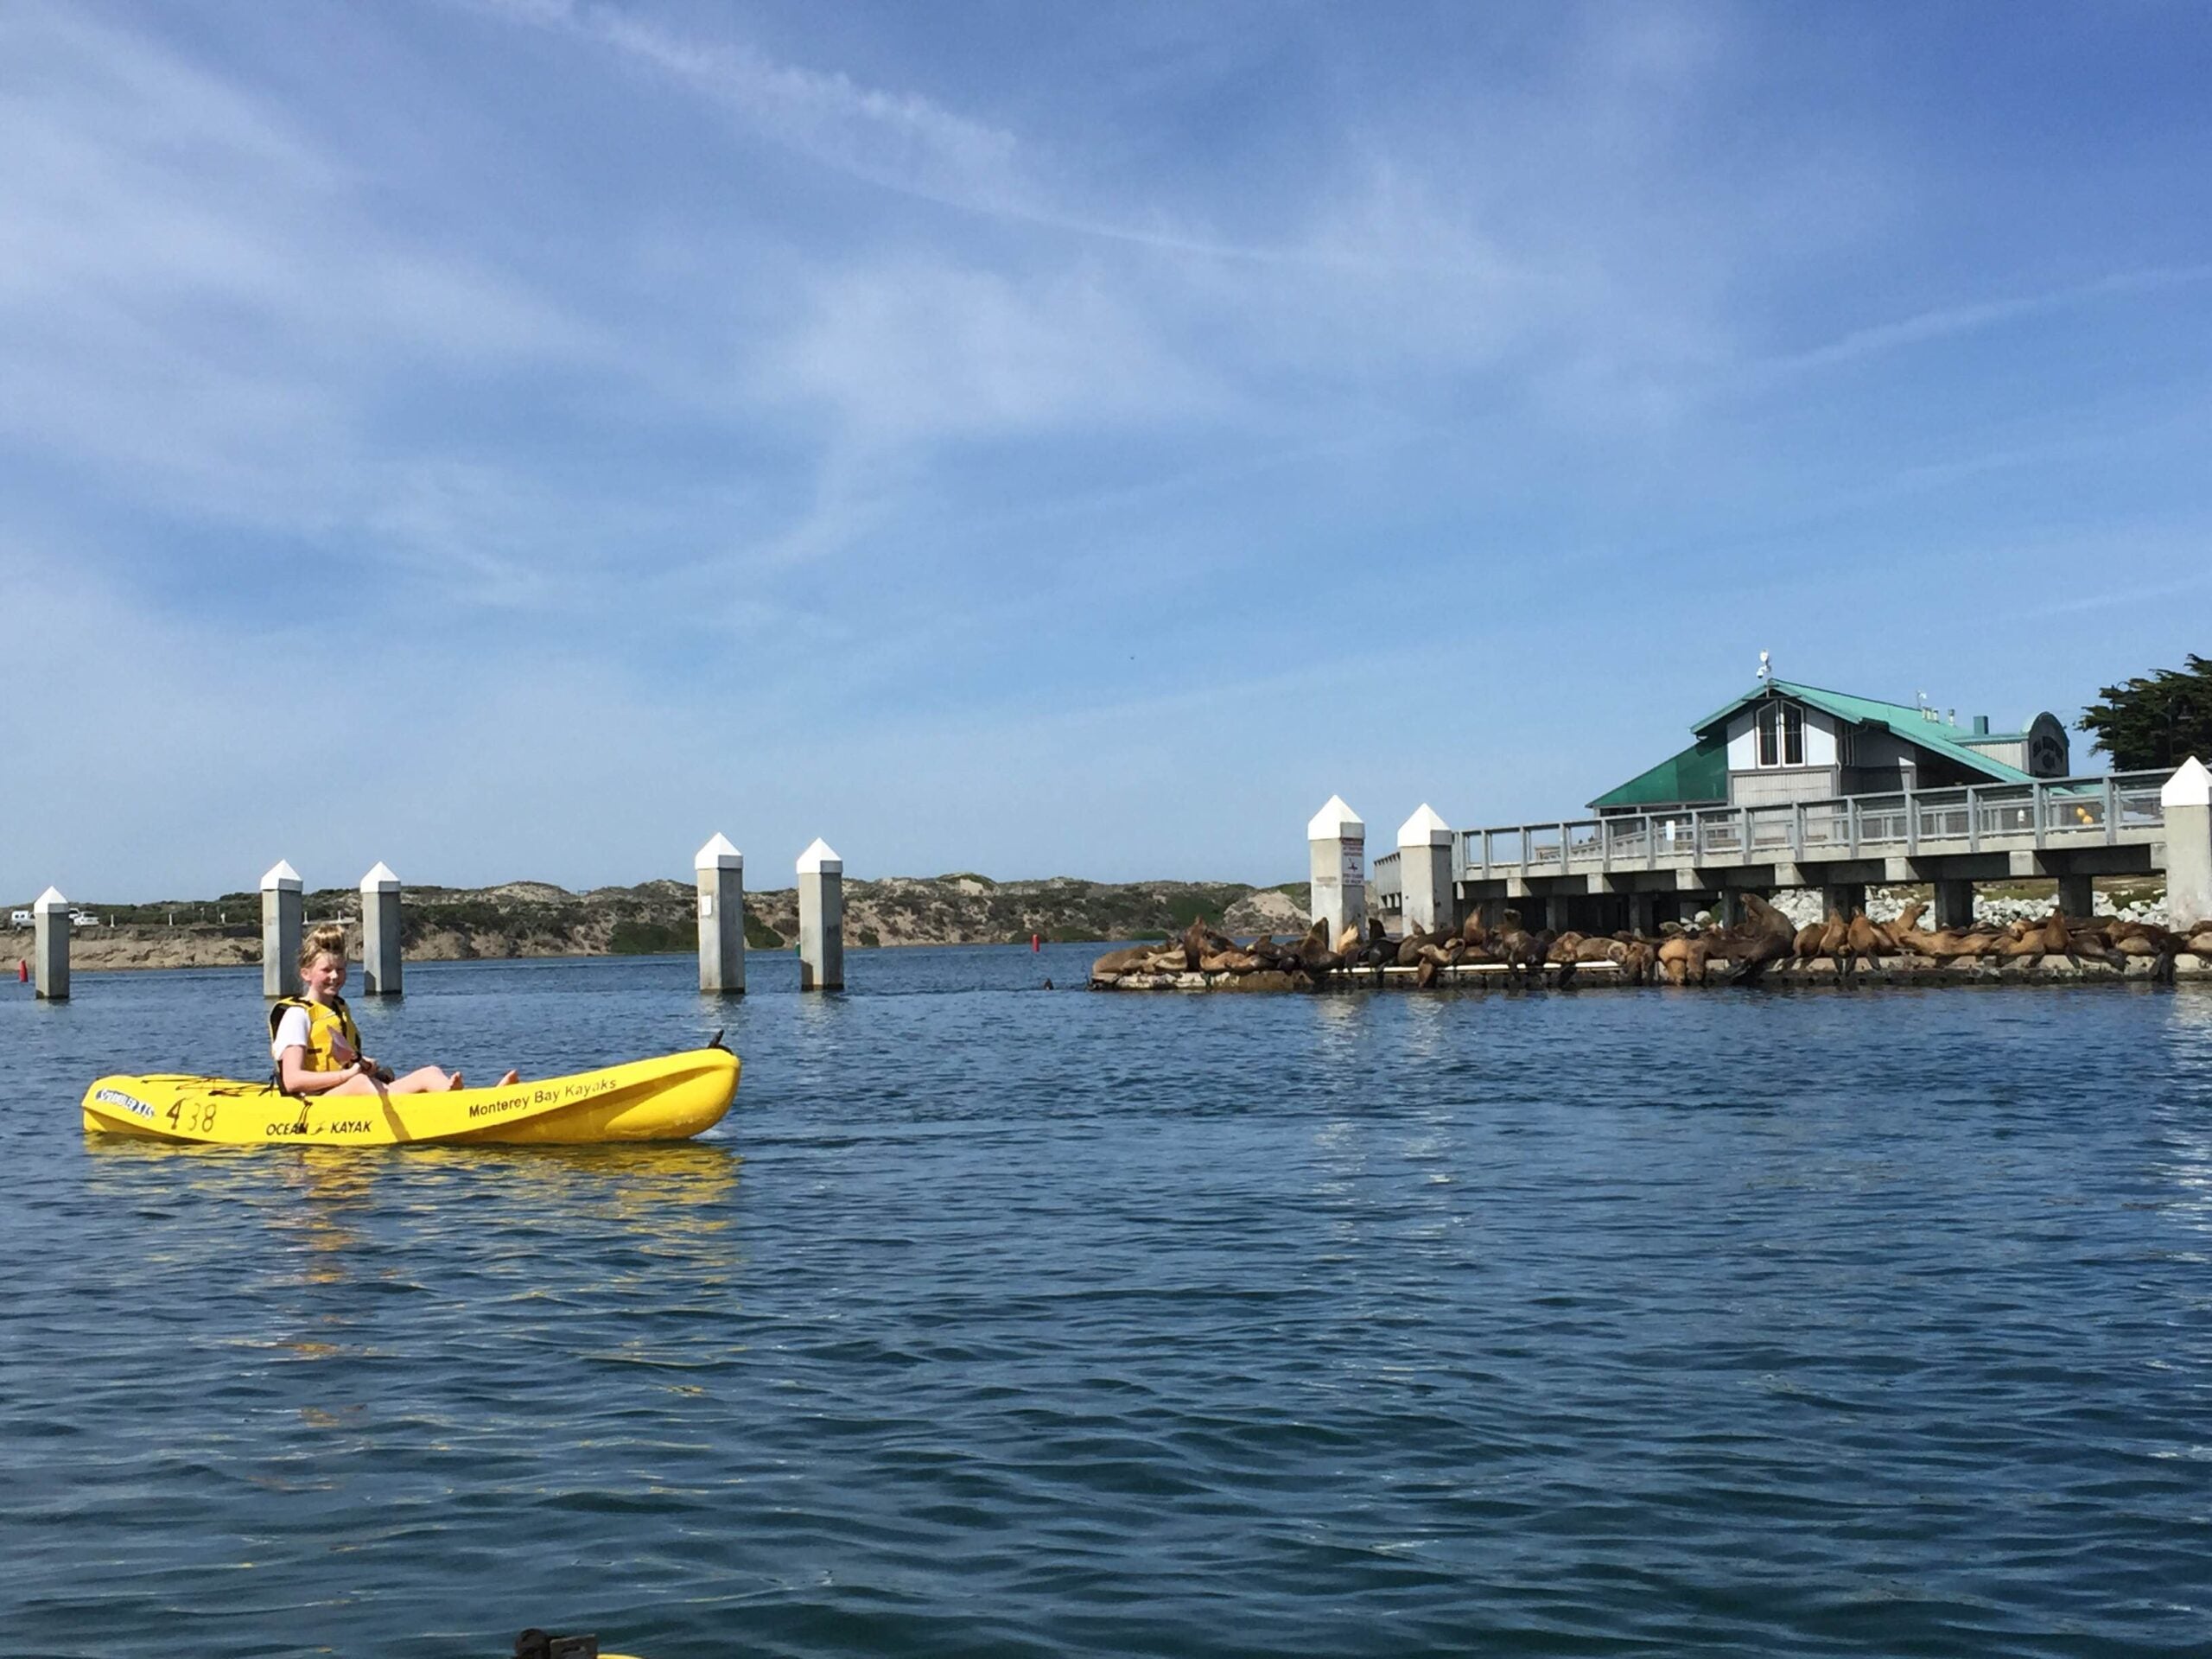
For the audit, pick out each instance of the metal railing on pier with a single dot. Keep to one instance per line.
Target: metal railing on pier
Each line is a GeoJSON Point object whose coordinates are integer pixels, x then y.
{"type": "Point", "coordinates": [2110, 810]}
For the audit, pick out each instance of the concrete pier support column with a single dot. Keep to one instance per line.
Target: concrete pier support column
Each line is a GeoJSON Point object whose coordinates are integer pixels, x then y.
{"type": "Point", "coordinates": [1424, 870]}
{"type": "Point", "coordinates": [1643, 916]}
{"type": "Point", "coordinates": [821, 918]}
{"type": "Point", "coordinates": [1843, 897]}
{"type": "Point", "coordinates": [2076, 896]}
{"type": "Point", "coordinates": [1336, 841]}
{"type": "Point", "coordinates": [1559, 910]}
{"type": "Point", "coordinates": [1954, 903]}
{"type": "Point", "coordinates": [380, 932]}
{"type": "Point", "coordinates": [2187, 798]}
{"type": "Point", "coordinates": [721, 869]}
{"type": "Point", "coordinates": [284, 907]}
{"type": "Point", "coordinates": [1729, 911]}
{"type": "Point", "coordinates": [50, 946]}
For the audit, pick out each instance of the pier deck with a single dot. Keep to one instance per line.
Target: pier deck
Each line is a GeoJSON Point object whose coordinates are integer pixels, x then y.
{"type": "Point", "coordinates": [2070, 827]}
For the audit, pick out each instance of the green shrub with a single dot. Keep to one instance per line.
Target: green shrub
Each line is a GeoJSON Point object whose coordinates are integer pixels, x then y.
{"type": "Point", "coordinates": [636, 938]}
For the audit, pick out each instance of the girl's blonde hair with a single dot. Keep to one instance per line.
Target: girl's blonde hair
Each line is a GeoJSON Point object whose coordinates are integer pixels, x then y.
{"type": "Point", "coordinates": [328, 940]}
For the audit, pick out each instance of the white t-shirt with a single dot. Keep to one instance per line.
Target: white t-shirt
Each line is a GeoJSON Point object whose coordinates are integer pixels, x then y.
{"type": "Point", "coordinates": [292, 1029]}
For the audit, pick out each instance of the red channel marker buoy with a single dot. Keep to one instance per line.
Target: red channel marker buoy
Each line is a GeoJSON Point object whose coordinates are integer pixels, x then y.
{"type": "Point", "coordinates": [1035, 945]}
{"type": "Point", "coordinates": [22, 971]}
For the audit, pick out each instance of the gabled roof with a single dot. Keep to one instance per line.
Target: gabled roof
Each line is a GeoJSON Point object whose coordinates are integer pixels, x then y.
{"type": "Point", "coordinates": [1697, 773]}
{"type": "Point", "coordinates": [1905, 720]}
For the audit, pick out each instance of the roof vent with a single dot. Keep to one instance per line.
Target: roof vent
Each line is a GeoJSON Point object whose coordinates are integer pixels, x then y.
{"type": "Point", "coordinates": [1981, 725]}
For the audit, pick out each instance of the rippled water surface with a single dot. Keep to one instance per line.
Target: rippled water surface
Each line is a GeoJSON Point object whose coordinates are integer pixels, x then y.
{"type": "Point", "coordinates": [995, 1322]}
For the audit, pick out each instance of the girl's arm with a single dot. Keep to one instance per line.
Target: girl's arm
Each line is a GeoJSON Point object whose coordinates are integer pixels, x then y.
{"type": "Point", "coordinates": [298, 1080]}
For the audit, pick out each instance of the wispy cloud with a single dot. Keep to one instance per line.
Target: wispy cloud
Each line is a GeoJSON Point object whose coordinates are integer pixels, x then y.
{"type": "Point", "coordinates": [1946, 322]}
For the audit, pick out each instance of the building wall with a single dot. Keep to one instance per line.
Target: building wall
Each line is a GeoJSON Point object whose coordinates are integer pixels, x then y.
{"type": "Point", "coordinates": [2013, 751]}
{"type": "Point", "coordinates": [1775, 785]}
{"type": "Point", "coordinates": [1820, 742]}
{"type": "Point", "coordinates": [1751, 785]}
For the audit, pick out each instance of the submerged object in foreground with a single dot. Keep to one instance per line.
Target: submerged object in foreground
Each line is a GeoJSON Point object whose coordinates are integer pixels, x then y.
{"type": "Point", "coordinates": [671, 1099]}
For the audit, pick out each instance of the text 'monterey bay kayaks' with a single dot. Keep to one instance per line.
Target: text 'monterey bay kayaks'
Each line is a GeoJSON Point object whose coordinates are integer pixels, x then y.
{"type": "Point", "coordinates": [671, 1099]}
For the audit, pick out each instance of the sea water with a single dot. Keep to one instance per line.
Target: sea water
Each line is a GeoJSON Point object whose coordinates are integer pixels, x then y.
{"type": "Point", "coordinates": [1002, 1321]}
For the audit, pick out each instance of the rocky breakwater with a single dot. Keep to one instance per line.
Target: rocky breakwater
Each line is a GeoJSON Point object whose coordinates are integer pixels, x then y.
{"type": "Point", "coordinates": [1766, 945]}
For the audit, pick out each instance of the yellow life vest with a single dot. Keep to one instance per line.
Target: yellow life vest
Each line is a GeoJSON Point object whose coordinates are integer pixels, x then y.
{"type": "Point", "coordinates": [327, 1028]}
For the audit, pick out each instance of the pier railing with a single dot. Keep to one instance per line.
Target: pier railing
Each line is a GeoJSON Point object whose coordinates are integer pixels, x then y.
{"type": "Point", "coordinates": [2110, 810]}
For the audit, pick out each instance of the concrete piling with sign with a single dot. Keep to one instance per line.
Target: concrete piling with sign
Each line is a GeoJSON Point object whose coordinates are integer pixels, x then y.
{"type": "Point", "coordinates": [50, 946]}
{"type": "Point", "coordinates": [1425, 860]}
{"type": "Point", "coordinates": [1336, 841]}
{"type": "Point", "coordinates": [2186, 799]}
{"type": "Point", "coordinates": [720, 870]}
{"type": "Point", "coordinates": [821, 918]}
{"type": "Point", "coordinates": [381, 968]}
{"type": "Point", "coordinates": [283, 910]}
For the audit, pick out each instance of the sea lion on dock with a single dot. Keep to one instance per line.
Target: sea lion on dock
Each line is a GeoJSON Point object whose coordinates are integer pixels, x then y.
{"type": "Point", "coordinates": [1684, 956]}
{"type": "Point", "coordinates": [1863, 942]}
{"type": "Point", "coordinates": [1200, 941]}
{"type": "Point", "coordinates": [1764, 938]}
{"type": "Point", "coordinates": [1114, 963]}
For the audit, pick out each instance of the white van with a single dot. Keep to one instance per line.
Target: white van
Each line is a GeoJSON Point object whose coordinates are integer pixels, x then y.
{"type": "Point", "coordinates": [20, 918]}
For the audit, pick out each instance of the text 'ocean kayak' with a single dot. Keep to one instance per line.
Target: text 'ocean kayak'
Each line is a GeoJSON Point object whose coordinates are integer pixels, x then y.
{"type": "Point", "coordinates": [671, 1099]}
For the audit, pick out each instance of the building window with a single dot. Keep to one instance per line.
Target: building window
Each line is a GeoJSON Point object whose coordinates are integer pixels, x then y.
{"type": "Point", "coordinates": [1781, 735]}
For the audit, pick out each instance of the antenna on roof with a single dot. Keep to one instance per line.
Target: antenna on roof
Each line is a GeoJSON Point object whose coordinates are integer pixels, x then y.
{"type": "Point", "coordinates": [1766, 667]}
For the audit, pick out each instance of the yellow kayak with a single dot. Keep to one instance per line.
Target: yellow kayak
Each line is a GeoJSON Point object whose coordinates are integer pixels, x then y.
{"type": "Point", "coordinates": [671, 1099]}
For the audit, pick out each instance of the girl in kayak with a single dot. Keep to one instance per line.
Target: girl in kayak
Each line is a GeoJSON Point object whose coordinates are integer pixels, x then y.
{"type": "Point", "coordinates": [316, 1045]}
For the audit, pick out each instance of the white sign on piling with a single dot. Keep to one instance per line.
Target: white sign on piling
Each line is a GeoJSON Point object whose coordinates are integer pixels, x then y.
{"type": "Point", "coordinates": [284, 904]}
{"type": "Point", "coordinates": [50, 945]}
{"type": "Point", "coordinates": [721, 869]}
{"type": "Point", "coordinates": [821, 918]}
{"type": "Point", "coordinates": [381, 968]}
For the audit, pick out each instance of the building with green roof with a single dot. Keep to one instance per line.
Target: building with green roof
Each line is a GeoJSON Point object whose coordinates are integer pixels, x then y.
{"type": "Point", "coordinates": [1781, 742]}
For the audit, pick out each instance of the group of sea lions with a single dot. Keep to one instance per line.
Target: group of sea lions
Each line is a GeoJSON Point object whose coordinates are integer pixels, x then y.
{"type": "Point", "coordinates": [1203, 951]}
{"type": "Point", "coordinates": [1848, 943]}
{"type": "Point", "coordinates": [1764, 938]}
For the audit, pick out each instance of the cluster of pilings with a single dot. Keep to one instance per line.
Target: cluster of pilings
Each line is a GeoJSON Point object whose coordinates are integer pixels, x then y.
{"type": "Point", "coordinates": [719, 867]}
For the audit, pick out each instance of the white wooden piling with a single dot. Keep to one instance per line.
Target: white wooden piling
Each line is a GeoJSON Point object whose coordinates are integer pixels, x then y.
{"type": "Point", "coordinates": [284, 907]}
{"type": "Point", "coordinates": [1336, 840]}
{"type": "Point", "coordinates": [821, 918]}
{"type": "Point", "coordinates": [721, 869]}
{"type": "Point", "coordinates": [381, 968]}
{"type": "Point", "coordinates": [50, 945]}
{"type": "Point", "coordinates": [1424, 870]}
{"type": "Point", "coordinates": [2187, 798]}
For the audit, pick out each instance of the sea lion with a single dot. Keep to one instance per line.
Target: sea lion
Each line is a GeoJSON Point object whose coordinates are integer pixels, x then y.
{"type": "Point", "coordinates": [1863, 943]}
{"type": "Point", "coordinates": [1683, 958]}
{"type": "Point", "coordinates": [1764, 938]}
{"type": "Point", "coordinates": [1114, 963]}
{"type": "Point", "coordinates": [1200, 941]}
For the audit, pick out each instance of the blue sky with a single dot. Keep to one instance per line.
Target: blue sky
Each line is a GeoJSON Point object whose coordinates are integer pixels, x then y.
{"type": "Point", "coordinates": [521, 439]}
